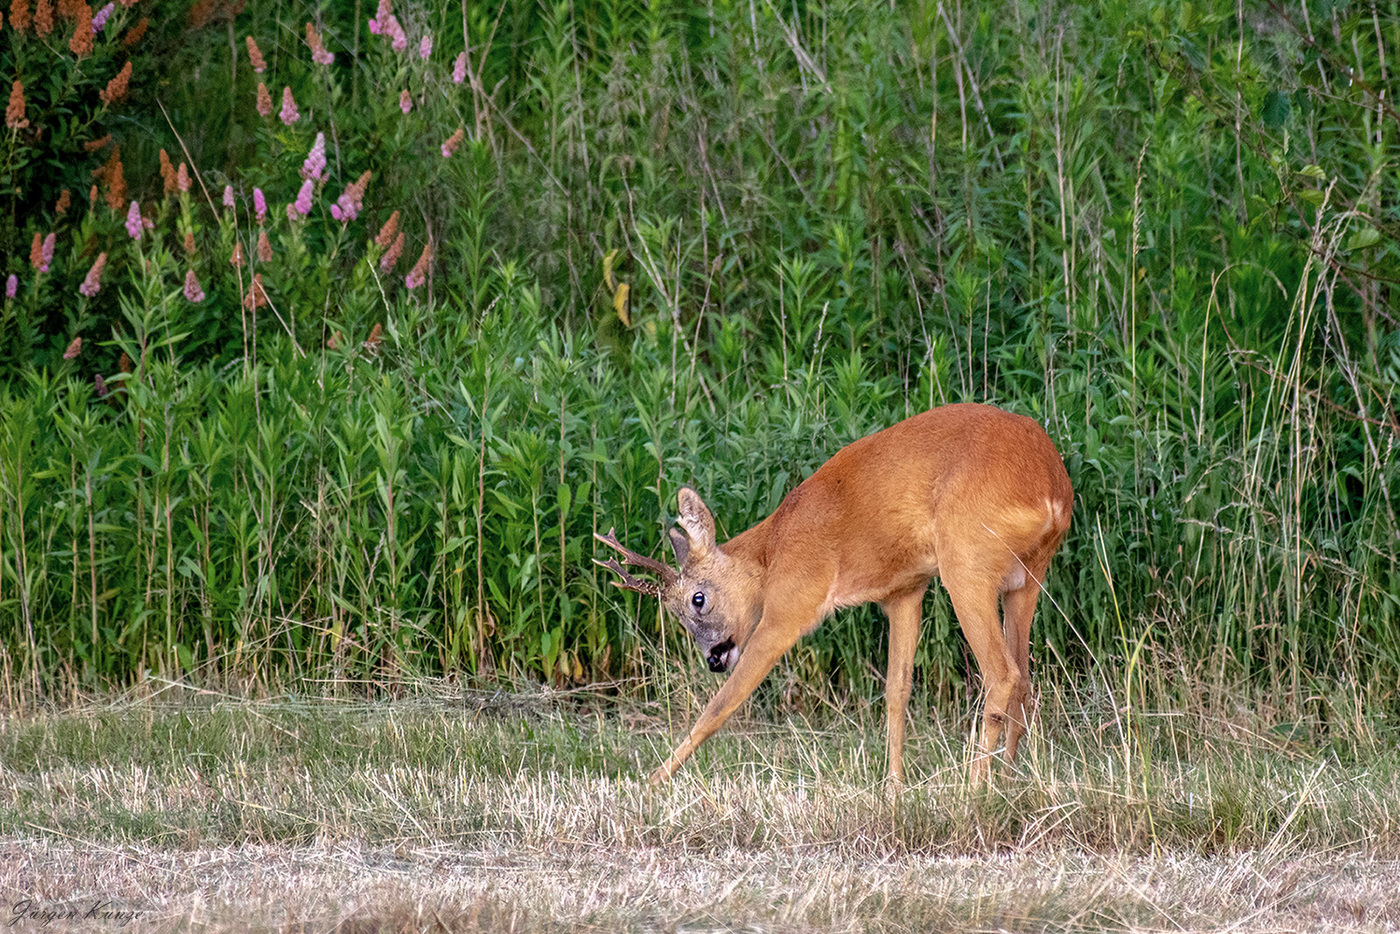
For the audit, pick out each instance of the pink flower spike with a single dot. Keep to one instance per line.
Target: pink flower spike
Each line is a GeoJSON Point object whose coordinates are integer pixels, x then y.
{"type": "Point", "coordinates": [323, 56]}
{"type": "Point", "coordinates": [133, 220]}
{"type": "Point", "coordinates": [395, 32]}
{"type": "Point", "coordinates": [459, 69]}
{"type": "Point", "coordinates": [303, 202]}
{"type": "Point", "coordinates": [289, 112]}
{"type": "Point", "coordinates": [99, 19]}
{"type": "Point", "coordinates": [259, 204]}
{"type": "Point", "coordinates": [182, 178]}
{"type": "Point", "coordinates": [315, 165]}
{"type": "Point", "coordinates": [405, 102]}
{"type": "Point", "coordinates": [11, 286]}
{"type": "Point", "coordinates": [92, 282]}
{"type": "Point", "coordinates": [228, 197]}
{"type": "Point", "coordinates": [425, 47]}
{"type": "Point", "coordinates": [192, 290]}
{"type": "Point", "coordinates": [46, 253]}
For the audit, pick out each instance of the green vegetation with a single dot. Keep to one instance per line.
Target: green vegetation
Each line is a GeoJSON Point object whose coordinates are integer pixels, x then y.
{"type": "Point", "coordinates": [700, 244]}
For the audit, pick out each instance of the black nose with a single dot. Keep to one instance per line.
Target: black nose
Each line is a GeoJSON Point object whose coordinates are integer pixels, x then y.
{"type": "Point", "coordinates": [716, 659]}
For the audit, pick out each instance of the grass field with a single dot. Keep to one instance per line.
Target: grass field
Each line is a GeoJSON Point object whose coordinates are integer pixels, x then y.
{"type": "Point", "coordinates": [458, 810]}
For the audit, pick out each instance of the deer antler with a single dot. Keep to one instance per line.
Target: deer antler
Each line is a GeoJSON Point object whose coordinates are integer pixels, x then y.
{"type": "Point", "coordinates": [628, 582]}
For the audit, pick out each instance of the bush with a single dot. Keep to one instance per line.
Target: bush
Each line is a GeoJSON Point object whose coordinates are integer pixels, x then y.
{"type": "Point", "coordinates": [355, 388]}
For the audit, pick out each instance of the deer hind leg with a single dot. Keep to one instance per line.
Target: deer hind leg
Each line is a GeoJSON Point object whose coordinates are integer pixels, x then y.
{"type": "Point", "coordinates": [1018, 609]}
{"type": "Point", "coordinates": [905, 612]}
{"type": "Point", "coordinates": [974, 595]}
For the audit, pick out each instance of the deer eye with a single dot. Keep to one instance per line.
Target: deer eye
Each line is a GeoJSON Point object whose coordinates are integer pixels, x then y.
{"type": "Point", "coordinates": [698, 600]}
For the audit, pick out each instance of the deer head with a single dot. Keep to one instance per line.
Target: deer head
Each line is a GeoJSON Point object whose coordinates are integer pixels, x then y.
{"type": "Point", "coordinates": [715, 596]}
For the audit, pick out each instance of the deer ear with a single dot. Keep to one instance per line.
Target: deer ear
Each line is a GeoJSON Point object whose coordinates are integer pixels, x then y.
{"type": "Point", "coordinates": [680, 544]}
{"type": "Point", "coordinates": [696, 520]}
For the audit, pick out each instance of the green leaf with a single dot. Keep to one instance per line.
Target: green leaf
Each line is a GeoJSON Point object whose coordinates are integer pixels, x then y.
{"type": "Point", "coordinates": [1276, 108]}
{"type": "Point", "coordinates": [1366, 236]}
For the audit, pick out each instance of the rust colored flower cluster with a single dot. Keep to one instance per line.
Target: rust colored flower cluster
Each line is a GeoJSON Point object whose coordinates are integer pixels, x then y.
{"type": "Point", "coordinates": [257, 295]}
{"type": "Point", "coordinates": [92, 282]}
{"type": "Point", "coordinates": [450, 146]}
{"type": "Point", "coordinates": [390, 259]}
{"type": "Point", "coordinates": [167, 172]}
{"type": "Point", "coordinates": [386, 233]}
{"type": "Point", "coordinates": [14, 113]}
{"type": "Point", "coordinates": [264, 101]}
{"type": "Point", "coordinates": [81, 43]}
{"type": "Point", "coordinates": [19, 15]}
{"type": "Point", "coordinates": [43, 18]}
{"type": "Point", "coordinates": [136, 33]}
{"type": "Point", "coordinates": [113, 179]}
{"type": "Point", "coordinates": [255, 56]}
{"type": "Point", "coordinates": [65, 201]}
{"type": "Point", "coordinates": [419, 274]}
{"type": "Point", "coordinates": [93, 145]}
{"type": "Point", "coordinates": [116, 88]}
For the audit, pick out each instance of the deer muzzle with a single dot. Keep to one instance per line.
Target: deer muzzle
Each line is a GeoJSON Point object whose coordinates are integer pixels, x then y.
{"type": "Point", "coordinates": [722, 656]}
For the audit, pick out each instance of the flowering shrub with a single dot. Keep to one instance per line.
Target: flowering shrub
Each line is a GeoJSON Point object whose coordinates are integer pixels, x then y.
{"type": "Point", "coordinates": [274, 209]}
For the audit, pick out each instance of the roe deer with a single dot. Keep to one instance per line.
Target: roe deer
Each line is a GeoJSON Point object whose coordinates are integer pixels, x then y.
{"type": "Point", "coordinates": [969, 493]}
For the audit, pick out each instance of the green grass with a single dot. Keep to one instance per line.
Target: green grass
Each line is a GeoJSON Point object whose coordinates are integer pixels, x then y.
{"type": "Point", "coordinates": [532, 806]}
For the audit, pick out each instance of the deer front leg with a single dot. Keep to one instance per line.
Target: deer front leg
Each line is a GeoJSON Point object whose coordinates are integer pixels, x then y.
{"type": "Point", "coordinates": [905, 612]}
{"type": "Point", "coordinates": [770, 639]}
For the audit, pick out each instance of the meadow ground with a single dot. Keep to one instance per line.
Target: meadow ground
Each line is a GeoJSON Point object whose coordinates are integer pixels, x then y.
{"type": "Point", "coordinates": [465, 810]}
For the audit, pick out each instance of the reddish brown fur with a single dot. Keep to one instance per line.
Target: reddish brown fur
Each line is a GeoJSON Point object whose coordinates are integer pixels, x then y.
{"type": "Point", "coordinates": [969, 493]}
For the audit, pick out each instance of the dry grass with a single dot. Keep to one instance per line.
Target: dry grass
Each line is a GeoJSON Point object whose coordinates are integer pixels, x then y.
{"type": "Point", "coordinates": [526, 811]}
